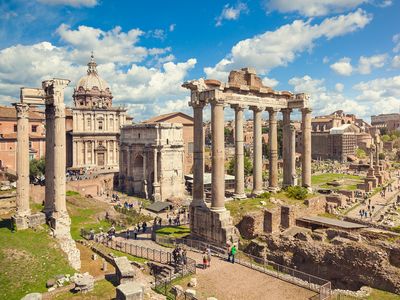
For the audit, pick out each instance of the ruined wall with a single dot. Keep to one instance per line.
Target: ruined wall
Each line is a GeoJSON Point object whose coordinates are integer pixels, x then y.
{"type": "Point", "coordinates": [348, 264]}
{"type": "Point", "coordinates": [102, 185]}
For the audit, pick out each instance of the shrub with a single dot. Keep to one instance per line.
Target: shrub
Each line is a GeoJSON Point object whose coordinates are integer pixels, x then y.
{"type": "Point", "coordinates": [297, 192]}
{"type": "Point", "coordinates": [265, 195]}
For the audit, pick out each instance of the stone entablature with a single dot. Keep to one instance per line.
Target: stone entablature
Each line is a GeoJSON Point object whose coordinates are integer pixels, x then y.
{"type": "Point", "coordinates": [151, 160]}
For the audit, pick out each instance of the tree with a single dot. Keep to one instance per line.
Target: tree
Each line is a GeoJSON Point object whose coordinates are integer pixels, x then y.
{"type": "Point", "coordinates": [248, 166]}
{"type": "Point", "coordinates": [385, 138]}
{"type": "Point", "coordinates": [360, 153]}
{"type": "Point", "coordinates": [37, 167]}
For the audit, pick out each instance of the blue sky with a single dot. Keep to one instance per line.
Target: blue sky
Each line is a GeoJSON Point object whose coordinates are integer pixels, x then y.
{"type": "Point", "coordinates": [345, 53]}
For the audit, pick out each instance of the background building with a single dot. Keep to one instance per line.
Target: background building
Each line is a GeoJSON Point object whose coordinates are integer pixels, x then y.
{"type": "Point", "coordinates": [386, 122]}
{"type": "Point", "coordinates": [151, 161]}
{"type": "Point", "coordinates": [8, 136]}
{"type": "Point", "coordinates": [96, 124]}
{"type": "Point", "coordinates": [187, 123]}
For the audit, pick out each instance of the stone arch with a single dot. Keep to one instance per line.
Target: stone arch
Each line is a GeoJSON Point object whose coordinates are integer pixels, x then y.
{"type": "Point", "coordinates": [138, 162]}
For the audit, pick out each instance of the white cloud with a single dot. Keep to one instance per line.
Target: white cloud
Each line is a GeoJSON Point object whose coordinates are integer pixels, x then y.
{"type": "Point", "coordinates": [325, 60]}
{"type": "Point", "coordinates": [280, 47]}
{"type": "Point", "coordinates": [365, 64]}
{"type": "Point", "coordinates": [145, 88]}
{"type": "Point", "coordinates": [271, 82]}
{"type": "Point", "coordinates": [396, 61]}
{"type": "Point", "coordinates": [339, 87]}
{"type": "Point", "coordinates": [172, 27]}
{"type": "Point", "coordinates": [74, 3]}
{"type": "Point", "coordinates": [312, 8]}
{"type": "Point", "coordinates": [343, 66]}
{"type": "Point", "coordinates": [324, 101]}
{"type": "Point", "coordinates": [396, 40]}
{"type": "Point", "coordinates": [231, 12]}
{"type": "Point", "coordinates": [381, 95]}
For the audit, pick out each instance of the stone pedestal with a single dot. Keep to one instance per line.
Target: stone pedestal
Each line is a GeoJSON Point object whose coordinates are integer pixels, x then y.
{"type": "Point", "coordinates": [212, 226]}
{"type": "Point", "coordinates": [31, 221]}
{"type": "Point", "coordinates": [130, 291]}
{"type": "Point", "coordinates": [124, 270]}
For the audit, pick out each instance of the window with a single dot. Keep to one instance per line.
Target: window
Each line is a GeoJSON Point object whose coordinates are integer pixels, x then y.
{"type": "Point", "coordinates": [15, 128]}
{"type": "Point", "coordinates": [30, 144]}
{"type": "Point", "coordinates": [34, 128]}
{"type": "Point", "coordinates": [100, 125]}
{"type": "Point", "coordinates": [190, 147]}
{"type": "Point", "coordinates": [89, 123]}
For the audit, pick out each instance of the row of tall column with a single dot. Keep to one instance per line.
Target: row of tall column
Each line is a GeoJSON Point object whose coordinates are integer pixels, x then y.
{"type": "Point", "coordinates": [55, 204]}
{"type": "Point", "coordinates": [218, 152]}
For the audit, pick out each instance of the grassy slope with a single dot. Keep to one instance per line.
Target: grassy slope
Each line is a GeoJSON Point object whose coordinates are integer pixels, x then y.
{"type": "Point", "coordinates": [28, 259]}
{"type": "Point", "coordinates": [174, 232]}
{"type": "Point", "coordinates": [103, 289]}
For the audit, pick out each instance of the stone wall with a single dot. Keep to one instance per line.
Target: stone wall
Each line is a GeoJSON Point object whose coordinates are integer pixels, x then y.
{"type": "Point", "coordinates": [102, 185]}
{"type": "Point", "coordinates": [348, 265]}
{"type": "Point", "coordinates": [251, 225]}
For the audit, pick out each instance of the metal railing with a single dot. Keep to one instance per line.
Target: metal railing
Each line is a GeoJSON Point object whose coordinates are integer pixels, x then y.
{"type": "Point", "coordinates": [299, 278]}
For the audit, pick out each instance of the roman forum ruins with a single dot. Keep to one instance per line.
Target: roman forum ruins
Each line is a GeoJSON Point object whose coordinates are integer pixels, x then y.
{"type": "Point", "coordinates": [243, 90]}
{"type": "Point", "coordinates": [55, 210]}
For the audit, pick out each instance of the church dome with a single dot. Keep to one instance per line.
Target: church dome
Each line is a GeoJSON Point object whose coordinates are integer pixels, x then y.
{"type": "Point", "coordinates": [92, 79]}
{"type": "Point", "coordinates": [92, 91]}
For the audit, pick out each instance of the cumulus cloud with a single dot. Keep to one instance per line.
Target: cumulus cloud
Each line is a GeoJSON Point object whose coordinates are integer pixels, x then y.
{"type": "Point", "coordinates": [396, 61]}
{"type": "Point", "coordinates": [312, 8]}
{"type": "Point", "coordinates": [343, 66]}
{"type": "Point", "coordinates": [231, 12]}
{"type": "Point", "coordinates": [324, 101]}
{"type": "Point", "coordinates": [280, 47]}
{"type": "Point", "coordinates": [137, 80]}
{"type": "Point", "coordinates": [73, 3]}
{"type": "Point", "coordinates": [339, 87]}
{"type": "Point", "coordinates": [271, 82]}
{"type": "Point", "coordinates": [381, 95]}
{"type": "Point", "coordinates": [396, 40]}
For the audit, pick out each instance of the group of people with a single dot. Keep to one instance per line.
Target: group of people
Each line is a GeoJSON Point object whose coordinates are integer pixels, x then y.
{"type": "Point", "coordinates": [136, 229]}
{"type": "Point", "coordinates": [207, 258]}
{"type": "Point", "coordinates": [179, 256]}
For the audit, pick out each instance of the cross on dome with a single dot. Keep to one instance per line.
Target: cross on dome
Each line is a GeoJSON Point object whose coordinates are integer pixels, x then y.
{"type": "Point", "coordinates": [92, 65]}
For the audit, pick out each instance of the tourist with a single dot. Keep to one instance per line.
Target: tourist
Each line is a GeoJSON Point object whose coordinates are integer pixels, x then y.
{"type": "Point", "coordinates": [184, 256]}
{"type": "Point", "coordinates": [233, 252]}
{"type": "Point", "coordinates": [159, 221]}
{"type": "Point", "coordinates": [135, 232]}
{"type": "Point", "coordinates": [144, 226]}
{"type": "Point", "coordinates": [205, 260]}
{"type": "Point", "coordinates": [91, 232]}
{"type": "Point", "coordinates": [170, 221]}
{"type": "Point", "coordinates": [208, 250]}
{"type": "Point", "coordinates": [127, 234]}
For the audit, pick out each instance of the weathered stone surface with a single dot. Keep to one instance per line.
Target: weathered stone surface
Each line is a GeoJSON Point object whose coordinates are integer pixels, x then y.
{"type": "Point", "coordinates": [33, 296]}
{"type": "Point", "coordinates": [130, 291]}
{"type": "Point", "coordinates": [51, 282]}
{"type": "Point", "coordinates": [251, 225]}
{"type": "Point", "coordinates": [190, 292]}
{"type": "Point", "coordinates": [192, 282]}
{"type": "Point", "coordinates": [272, 220]}
{"type": "Point", "coordinates": [124, 270]}
{"type": "Point", "coordinates": [83, 282]}
{"type": "Point", "coordinates": [177, 290]}
{"type": "Point", "coordinates": [303, 236]}
{"type": "Point", "coordinates": [348, 266]}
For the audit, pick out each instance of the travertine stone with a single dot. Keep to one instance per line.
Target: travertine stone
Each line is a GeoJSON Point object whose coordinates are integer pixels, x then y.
{"type": "Point", "coordinates": [273, 150]}
{"type": "Point", "coordinates": [124, 270]}
{"type": "Point", "coordinates": [306, 153]}
{"type": "Point", "coordinates": [217, 157]}
{"type": "Point", "coordinates": [130, 291]}
{"type": "Point", "coordinates": [292, 158]}
{"type": "Point", "coordinates": [22, 160]}
{"type": "Point", "coordinates": [257, 150]}
{"type": "Point", "coordinates": [49, 168]}
{"type": "Point", "coordinates": [286, 136]}
{"type": "Point", "coordinates": [239, 153]}
{"type": "Point", "coordinates": [198, 155]}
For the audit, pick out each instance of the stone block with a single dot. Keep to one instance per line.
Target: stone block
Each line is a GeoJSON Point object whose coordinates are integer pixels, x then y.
{"type": "Point", "coordinates": [192, 282]}
{"type": "Point", "coordinates": [251, 225]}
{"type": "Point", "coordinates": [272, 221]}
{"type": "Point", "coordinates": [288, 216]}
{"type": "Point", "coordinates": [124, 270]}
{"type": "Point", "coordinates": [32, 296]}
{"type": "Point", "coordinates": [130, 291]}
{"type": "Point", "coordinates": [36, 219]}
{"type": "Point", "coordinates": [190, 292]}
{"type": "Point", "coordinates": [177, 291]}
{"type": "Point", "coordinates": [20, 222]}
{"type": "Point", "coordinates": [50, 283]}
{"type": "Point", "coordinates": [339, 200]}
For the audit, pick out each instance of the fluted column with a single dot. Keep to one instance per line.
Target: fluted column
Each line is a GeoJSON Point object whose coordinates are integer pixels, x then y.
{"type": "Point", "coordinates": [156, 184]}
{"type": "Point", "coordinates": [273, 149]}
{"type": "Point", "coordinates": [257, 150]}
{"type": "Point", "coordinates": [198, 155]}
{"type": "Point", "coordinates": [239, 152]}
{"type": "Point", "coordinates": [217, 156]}
{"type": "Point", "coordinates": [286, 153]}
{"type": "Point", "coordinates": [292, 155]}
{"type": "Point", "coordinates": [306, 153]}
{"type": "Point", "coordinates": [49, 168]}
{"type": "Point", "coordinates": [22, 200]}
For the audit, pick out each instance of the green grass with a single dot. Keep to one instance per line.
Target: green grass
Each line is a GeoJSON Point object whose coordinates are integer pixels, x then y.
{"type": "Point", "coordinates": [174, 231]}
{"type": "Point", "coordinates": [103, 289]}
{"type": "Point", "coordinates": [28, 259]}
{"type": "Point", "coordinates": [328, 215]}
{"type": "Point", "coordinates": [238, 208]}
{"type": "Point", "coordinates": [327, 177]}
{"type": "Point", "coordinates": [71, 193]}
{"type": "Point", "coordinates": [120, 253]}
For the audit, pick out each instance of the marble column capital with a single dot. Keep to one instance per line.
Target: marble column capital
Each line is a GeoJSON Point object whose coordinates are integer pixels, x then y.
{"type": "Point", "coordinates": [257, 108]}
{"type": "Point", "coordinates": [217, 102]}
{"type": "Point", "coordinates": [286, 110]}
{"type": "Point", "coordinates": [238, 107]}
{"type": "Point", "coordinates": [197, 104]}
{"type": "Point", "coordinates": [22, 110]}
{"type": "Point", "coordinates": [272, 110]}
{"type": "Point", "coordinates": [306, 110]}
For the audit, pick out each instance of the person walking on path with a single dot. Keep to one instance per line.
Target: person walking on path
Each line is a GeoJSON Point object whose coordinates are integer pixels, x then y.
{"type": "Point", "coordinates": [208, 250]}
{"type": "Point", "coordinates": [205, 262]}
{"type": "Point", "coordinates": [135, 232]}
{"type": "Point", "coordinates": [231, 255]}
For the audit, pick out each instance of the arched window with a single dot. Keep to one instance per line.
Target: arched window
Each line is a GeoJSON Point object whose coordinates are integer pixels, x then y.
{"type": "Point", "coordinates": [138, 162]}
{"type": "Point", "coordinates": [100, 123]}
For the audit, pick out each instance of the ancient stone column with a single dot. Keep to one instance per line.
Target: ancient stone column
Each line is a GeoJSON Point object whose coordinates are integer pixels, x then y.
{"type": "Point", "coordinates": [273, 149]}
{"type": "Point", "coordinates": [198, 155]}
{"type": "Point", "coordinates": [286, 154]}
{"type": "Point", "coordinates": [156, 185]}
{"type": "Point", "coordinates": [306, 153]}
{"type": "Point", "coordinates": [239, 152]}
{"type": "Point", "coordinates": [292, 156]}
{"type": "Point", "coordinates": [49, 167]}
{"type": "Point", "coordinates": [217, 156]}
{"type": "Point", "coordinates": [257, 150]}
{"type": "Point", "coordinates": [22, 200]}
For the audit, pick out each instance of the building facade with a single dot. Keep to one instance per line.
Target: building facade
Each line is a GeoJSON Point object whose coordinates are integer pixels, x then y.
{"type": "Point", "coordinates": [152, 160]}
{"type": "Point", "coordinates": [96, 124]}
{"type": "Point", "coordinates": [8, 137]}
{"type": "Point", "coordinates": [187, 123]}
{"type": "Point", "coordinates": [389, 122]}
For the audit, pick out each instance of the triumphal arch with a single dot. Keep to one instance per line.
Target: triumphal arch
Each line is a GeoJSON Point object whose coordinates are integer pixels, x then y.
{"type": "Point", "coordinates": [244, 90]}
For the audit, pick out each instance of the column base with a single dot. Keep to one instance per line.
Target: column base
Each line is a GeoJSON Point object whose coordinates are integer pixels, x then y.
{"type": "Point", "coordinates": [273, 189]}
{"type": "Point", "coordinates": [214, 227]}
{"type": "Point", "coordinates": [257, 192]}
{"type": "Point", "coordinates": [239, 196]}
{"type": "Point", "coordinates": [20, 222]}
{"type": "Point", "coordinates": [29, 221]}
{"type": "Point", "coordinates": [218, 209]}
